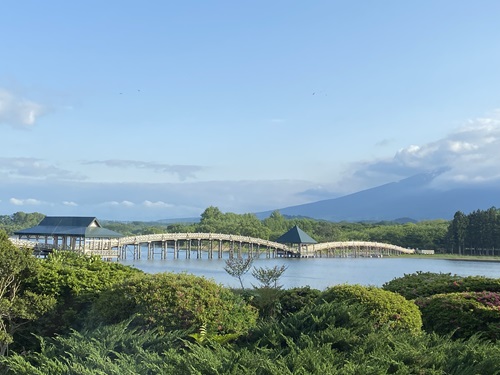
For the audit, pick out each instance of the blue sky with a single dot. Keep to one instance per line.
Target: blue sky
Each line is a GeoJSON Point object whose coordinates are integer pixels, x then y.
{"type": "Point", "coordinates": [135, 110]}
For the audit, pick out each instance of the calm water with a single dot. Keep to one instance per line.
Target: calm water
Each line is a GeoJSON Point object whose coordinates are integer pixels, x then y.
{"type": "Point", "coordinates": [320, 273]}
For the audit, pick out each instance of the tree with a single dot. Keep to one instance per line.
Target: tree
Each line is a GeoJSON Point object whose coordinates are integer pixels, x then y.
{"type": "Point", "coordinates": [267, 299]}
{"type": "Point", "coordinates": [18, 305]}
{"type": "Point", "coordinates": [458, 231]}
{"type": "Point", "coordinates": [276, 224]}
{"type": "Point", "coordinates": [237, 267]}
{"type": "Point", "coordinates": [269, 277]}
{"type": "Point", "coordinates": [211, 220]}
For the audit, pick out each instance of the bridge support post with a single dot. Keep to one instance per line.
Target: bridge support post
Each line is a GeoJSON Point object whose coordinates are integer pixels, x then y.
{"type": "Point", "coordinates": [164, 247]}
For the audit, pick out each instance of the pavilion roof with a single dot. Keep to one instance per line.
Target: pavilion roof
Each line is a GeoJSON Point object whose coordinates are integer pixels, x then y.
{"type": "Point", "coordinates": [296, 236]}
{"type": "Point", "coordinates": [75, 226]}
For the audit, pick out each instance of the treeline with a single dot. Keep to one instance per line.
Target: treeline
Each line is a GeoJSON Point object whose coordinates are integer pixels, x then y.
{"type": "Point", "coordinates": [71, 314]}
{"type": "Point", "coordinates": [421, 235]}
{"type": "Point", "coordinates": [19, 220]}
{"type": "Point", "coordinates": [477, 233]}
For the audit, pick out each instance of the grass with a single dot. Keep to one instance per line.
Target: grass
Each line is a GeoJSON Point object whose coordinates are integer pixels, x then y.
{"type": "Point", "coordinates": [473, 258]}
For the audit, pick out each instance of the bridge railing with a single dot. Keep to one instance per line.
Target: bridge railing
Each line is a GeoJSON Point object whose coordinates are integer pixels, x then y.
{"type": "Point", "coordinates": [361, 244]}
{"type": "Point", "coordinates": [112, 245]}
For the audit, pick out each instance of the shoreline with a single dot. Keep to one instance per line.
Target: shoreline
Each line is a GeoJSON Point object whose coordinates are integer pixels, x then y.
{"type": "Point", "coordinates": [468, 258]}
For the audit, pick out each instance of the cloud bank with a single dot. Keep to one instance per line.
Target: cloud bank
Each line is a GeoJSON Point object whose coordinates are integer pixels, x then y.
{"type": "Point", "coordinates": [468, 155]}
{"type": "Point", "coordinates": [35, 168]}
{"type": "Point", "coordinates": [183, 172]}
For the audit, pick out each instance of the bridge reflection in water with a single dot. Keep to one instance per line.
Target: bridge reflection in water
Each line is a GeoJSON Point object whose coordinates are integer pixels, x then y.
{"type": "Point", "coordinates": [214, 245]}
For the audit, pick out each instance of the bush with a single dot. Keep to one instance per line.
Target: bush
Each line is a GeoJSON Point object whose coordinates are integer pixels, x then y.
{"type": "Point", "coordinates": [421, 284]}
{"type": "Point", "coordinates": [75, 281]}
{"type": "Point", "coordinates": [295, 299]}
{"type": "Point", "coordinates": [170, 301]}
{"type": "Point", "coordinates": [384, 308]}
{"type": "Point", "coordinates": [424, 284]}
{"type": "Point", "coordinates": [462, 314]}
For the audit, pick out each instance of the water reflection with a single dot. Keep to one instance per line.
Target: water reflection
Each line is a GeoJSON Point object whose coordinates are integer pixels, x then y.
{"type": "Point", "coordinates": [320, 273]}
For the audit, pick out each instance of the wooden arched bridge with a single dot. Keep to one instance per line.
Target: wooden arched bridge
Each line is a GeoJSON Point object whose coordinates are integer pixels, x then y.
{"type": "Point", "coordinates": [214, 245]}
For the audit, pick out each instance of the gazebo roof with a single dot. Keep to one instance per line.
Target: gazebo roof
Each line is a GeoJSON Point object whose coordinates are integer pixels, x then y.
{"type": "Point", "coordinates": [296, 236]}
{"type": "Point", "coordinates": [73, 226]}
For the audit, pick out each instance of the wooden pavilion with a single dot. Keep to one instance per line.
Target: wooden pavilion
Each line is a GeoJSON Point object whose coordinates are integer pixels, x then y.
{"type": "Point", "coordinates": [296, 237]}
{"type": "Point", "coordinates": [67, 232]}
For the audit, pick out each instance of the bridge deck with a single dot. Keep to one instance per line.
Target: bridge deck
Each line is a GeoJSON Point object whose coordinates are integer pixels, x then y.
{"type": "Point", "coordinates": [217, 243]}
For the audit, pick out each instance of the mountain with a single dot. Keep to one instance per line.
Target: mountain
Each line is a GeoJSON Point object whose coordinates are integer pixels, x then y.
{"type": "Point", "coordinates": [412, 198]}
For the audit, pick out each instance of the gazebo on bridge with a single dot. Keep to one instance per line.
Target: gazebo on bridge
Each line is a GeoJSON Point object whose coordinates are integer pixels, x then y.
{"type": "Point", "coordinates": [67, 232]}
{"type": "Point", "coordinates": [296, 237]}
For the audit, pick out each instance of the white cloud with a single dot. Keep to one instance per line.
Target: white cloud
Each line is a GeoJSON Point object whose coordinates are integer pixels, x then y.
{"type": "Point", "coordinates": [122, 203]}
{"type": "Point", "coordinates": [470, 154]}
{"type": "Point", "coordinates": [25, 202]}
{"type": "Point", "coordinates": [18, 112]}
{"type": "Point", "coordinates": [157, 204]}
{"type": "Point", "coordinates": [71, 204]}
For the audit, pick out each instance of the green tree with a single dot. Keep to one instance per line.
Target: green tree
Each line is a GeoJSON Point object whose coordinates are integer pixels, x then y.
{"type": "Point", "coordinates": [267, 298]}
{"type": "Point", "coordinates": [211, 220]}
{"type": "Point", "coordinates": [19, 220]}
{"type": "Point", "coordinates": [269, 277]}
{"type": "Point", "coordinates": [18, 305]}
{"type": "Point", "coordinates": [276, 224]}
{"type": "Point", "coordinates": [237, 267]}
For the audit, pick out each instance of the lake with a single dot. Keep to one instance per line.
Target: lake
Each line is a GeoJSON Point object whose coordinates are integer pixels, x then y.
{"type": "Point", "coordinates": [319, 273]}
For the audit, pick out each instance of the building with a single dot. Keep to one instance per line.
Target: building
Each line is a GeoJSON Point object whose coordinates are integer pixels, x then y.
{"type": "Point", "coordinates": [296, 237]}
{"type": "Point", "coordinates": [68, 232]}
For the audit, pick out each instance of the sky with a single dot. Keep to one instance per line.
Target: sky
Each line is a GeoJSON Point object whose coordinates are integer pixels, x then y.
{"type": "Point", "coordinates": [148, 110]}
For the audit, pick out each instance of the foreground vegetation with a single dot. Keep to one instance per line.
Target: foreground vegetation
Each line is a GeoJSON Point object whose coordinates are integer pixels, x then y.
{"type": "Point", "coordinates": [70, 314]}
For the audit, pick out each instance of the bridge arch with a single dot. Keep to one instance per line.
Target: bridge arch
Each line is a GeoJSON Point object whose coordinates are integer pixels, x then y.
{"type": "Point", "coordinates": [214, 245]}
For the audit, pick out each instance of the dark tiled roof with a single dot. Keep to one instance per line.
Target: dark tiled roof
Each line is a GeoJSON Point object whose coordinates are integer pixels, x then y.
{"type": "Point", "coordinates": [295, 235]}
{"type": "Point", "coordinates": [69, 221]}
{"type": "Point", "coordinates": [75, 226]}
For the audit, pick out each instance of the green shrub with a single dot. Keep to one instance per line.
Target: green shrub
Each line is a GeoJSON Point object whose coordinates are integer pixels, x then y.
{"type": "Point", "coordinates": [74, 281]}
{"type": "Point", "coordinates": [422, 284]}
{"type": "Point", "coordinates": [425, 284]}
{"type": "Point", "coordinates": [171, 301]}
{"type": "Point", "coordinates": [294, 299]}
{"type": "Point", "coordinates": [384, 308]}
{"type": "Point", "coordinates": [462, 314]}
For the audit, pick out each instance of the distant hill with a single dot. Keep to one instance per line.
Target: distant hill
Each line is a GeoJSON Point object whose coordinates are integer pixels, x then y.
{"type": "Point", "coordinates": [412, 199]}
